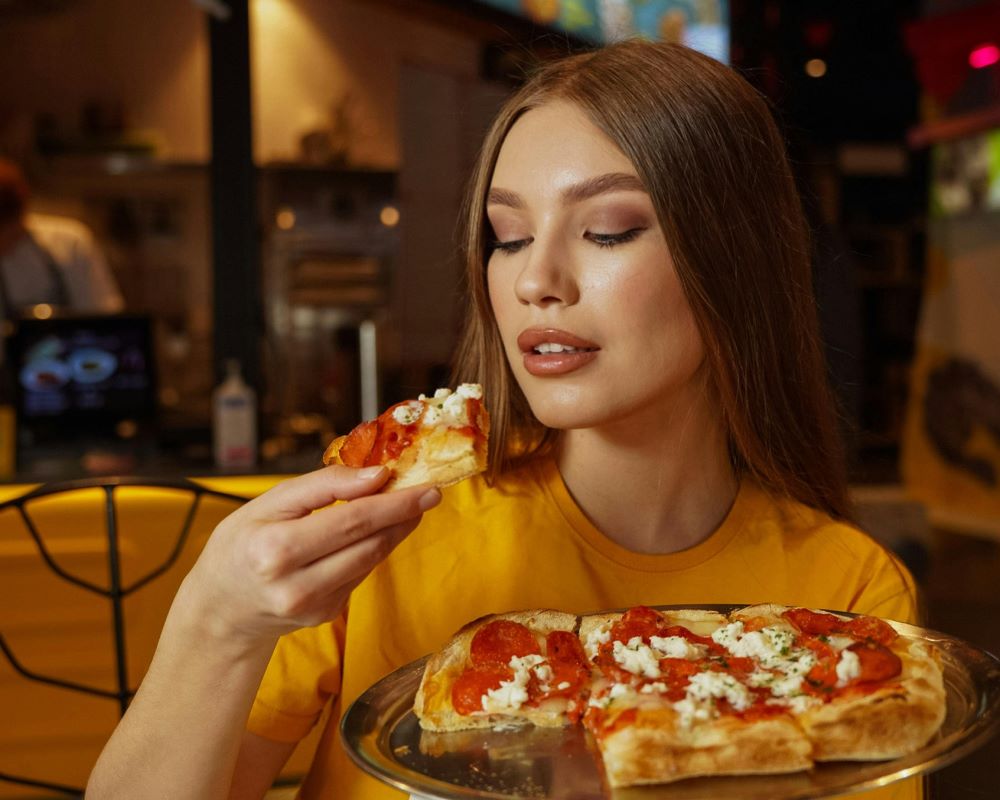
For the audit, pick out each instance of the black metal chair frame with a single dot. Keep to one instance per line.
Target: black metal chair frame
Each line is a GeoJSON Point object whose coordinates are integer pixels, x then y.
{"type": "Point", "coordinates": [115, 592]}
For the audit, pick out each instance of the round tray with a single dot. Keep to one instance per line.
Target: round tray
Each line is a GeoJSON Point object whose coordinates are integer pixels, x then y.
{"type": "Point", "coordinates": [383, 738]}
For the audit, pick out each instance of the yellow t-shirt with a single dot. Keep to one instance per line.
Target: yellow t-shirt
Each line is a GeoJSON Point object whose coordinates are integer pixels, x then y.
{"type": "Point", "coordinates": [525, 544]}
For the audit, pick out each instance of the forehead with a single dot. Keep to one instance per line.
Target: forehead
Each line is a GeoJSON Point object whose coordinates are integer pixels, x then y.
{"type": "Point", "coordinates": [553, 146]}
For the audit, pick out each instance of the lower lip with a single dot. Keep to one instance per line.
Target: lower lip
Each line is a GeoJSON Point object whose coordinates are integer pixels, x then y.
{"type": "Point", "coordinates": [544, 364]}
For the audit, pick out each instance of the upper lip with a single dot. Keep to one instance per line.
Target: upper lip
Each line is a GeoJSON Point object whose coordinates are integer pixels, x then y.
{"type": "Point", "coordinates": [529, 339]}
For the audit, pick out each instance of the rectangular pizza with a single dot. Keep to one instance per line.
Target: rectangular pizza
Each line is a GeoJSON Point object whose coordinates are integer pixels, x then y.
{"type": "Point", "coordinates": [667, 695]}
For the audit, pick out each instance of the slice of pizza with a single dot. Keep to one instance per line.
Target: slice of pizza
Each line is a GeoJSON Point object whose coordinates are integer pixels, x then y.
{"type": "Point", "coordinates": [436, 440]}
{"type": "Point", "coordinates": [869, 694]}
{"type": "Point", "coordinates": [668, 702]}
{"type": "Point", "coordinates": [516, 668]}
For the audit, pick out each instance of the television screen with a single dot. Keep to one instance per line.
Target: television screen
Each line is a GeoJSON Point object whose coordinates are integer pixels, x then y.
{"type": "Point", "coordinates": [700, 24]}
{"type": "Point", "coordinates": [76, 372]}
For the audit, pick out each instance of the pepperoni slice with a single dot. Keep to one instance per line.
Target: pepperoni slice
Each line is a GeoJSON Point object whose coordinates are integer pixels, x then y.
{"type": "Point", "coordinates": [358, 444]}
{"type": "Point", "coordinates": [640, 621]}
{"type": "Point", "coordinates": [871, 629]}
{"type": "Point", "coordinates": [877, 662]}
{"type": "Point", "coordinates": [468, 690]}
{"type": "Point", "coordinates": [816, 624]}
{"type": "Point", "coordinates": [574, 675]}
{"type": "Point", "coordinates": [391, 440]}
{"type": "Point", "coordinates": [564, 647]}
{"type": "Point", "coordinates": [813, 622]}
{"type": "Point", "coordinates": [500, 640]}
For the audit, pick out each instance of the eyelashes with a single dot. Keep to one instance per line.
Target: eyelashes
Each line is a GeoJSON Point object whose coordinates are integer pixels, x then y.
{"type": "Point", "coordinates": [600, 239]}
{"type": "Point", "coordinates": [508, 248]}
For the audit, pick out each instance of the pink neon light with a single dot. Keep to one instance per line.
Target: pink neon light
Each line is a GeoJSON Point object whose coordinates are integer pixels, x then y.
{"type": "Point", "coordinates": [984, 56]}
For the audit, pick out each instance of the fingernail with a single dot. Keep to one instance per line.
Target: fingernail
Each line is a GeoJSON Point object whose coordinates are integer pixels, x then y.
{"type": "Point", "coordinates": [369, 472]}
{"type": "Point", "coordinates": [429, 499]}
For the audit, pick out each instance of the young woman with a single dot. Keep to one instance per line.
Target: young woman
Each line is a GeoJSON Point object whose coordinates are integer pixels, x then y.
{"type": "Point", "coordinates": [643, 325]}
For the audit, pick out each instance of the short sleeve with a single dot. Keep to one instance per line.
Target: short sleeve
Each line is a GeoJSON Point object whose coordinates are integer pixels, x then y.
{"type": "Point", "coordinates": [303, 675]}
{"type": "Point", "coordinates": [890, 592]}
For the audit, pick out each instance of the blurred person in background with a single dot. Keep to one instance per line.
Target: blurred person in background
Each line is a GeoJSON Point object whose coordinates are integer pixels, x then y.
{"type": "Point", "coordinates": [48, 259]}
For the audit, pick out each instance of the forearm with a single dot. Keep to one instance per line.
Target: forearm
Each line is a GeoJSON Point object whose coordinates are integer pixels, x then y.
{"type": "Point", "coordinates": [182, 732]}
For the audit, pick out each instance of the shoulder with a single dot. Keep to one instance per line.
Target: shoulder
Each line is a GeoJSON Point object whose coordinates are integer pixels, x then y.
{"type": "Point", "coordinates": [796, 521]}
{"type": "Point", "coordinates": [871, 577]}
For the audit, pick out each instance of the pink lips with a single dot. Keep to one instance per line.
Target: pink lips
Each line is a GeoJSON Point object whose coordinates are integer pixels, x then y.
{"type": "Point", "coordinates": [545, 364]}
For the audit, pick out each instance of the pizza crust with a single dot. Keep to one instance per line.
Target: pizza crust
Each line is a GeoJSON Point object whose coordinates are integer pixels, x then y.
{"type": "Point", "coordinates": [655, 750]}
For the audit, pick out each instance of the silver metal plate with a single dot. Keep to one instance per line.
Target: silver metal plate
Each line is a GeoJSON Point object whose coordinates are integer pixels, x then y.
{"type": "Point", "coordinates": [383, 738]}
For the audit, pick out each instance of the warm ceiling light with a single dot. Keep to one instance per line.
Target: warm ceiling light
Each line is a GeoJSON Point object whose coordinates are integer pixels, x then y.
{"type": "Point", "coordinates": [285, 219]}
{"type": "Point", "coordinates": [389, 216]}
{"type": "Point", "coordinates": [41, 311]}
{"type": "Point", "coordinates": [986, 55]}
{"type": "Point", "coordinates": [815, 68]}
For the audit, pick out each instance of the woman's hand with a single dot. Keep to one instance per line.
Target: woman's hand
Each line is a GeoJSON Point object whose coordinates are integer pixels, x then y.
{"type": "Point", "coordinates": [289, 558]}
{"type": "Point", "coordinates": [284, 560]}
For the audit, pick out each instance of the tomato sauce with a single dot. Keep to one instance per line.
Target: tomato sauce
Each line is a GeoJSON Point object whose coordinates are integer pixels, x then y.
{"type": "Point", "coordinates": [468, 690]}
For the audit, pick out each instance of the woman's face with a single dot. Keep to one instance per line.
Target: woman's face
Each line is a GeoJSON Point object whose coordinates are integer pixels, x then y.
{"type": "Point", "coordinates": [589, 306]}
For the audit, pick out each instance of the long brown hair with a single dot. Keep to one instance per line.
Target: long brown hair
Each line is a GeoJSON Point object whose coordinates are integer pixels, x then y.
{"type": "Point", "coordinates": [707, 150]}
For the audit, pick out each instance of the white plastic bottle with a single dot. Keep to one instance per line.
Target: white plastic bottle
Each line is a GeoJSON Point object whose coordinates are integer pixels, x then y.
{"type": "Point", "coordinates": [234, 428]}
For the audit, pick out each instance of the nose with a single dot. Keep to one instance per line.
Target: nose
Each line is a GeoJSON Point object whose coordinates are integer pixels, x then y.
{"type": "Point", "coordinates": [546, 277]}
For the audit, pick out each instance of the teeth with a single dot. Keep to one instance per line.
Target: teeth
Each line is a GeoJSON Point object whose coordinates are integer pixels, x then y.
{"type": "Point", "coordinates": [554, 347]}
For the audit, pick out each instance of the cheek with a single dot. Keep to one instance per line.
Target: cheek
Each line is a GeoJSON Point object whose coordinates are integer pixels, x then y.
{"type": "Point", "coordinates": [660, 321]}
{"type": "Point", "coordinates": [502, 299]}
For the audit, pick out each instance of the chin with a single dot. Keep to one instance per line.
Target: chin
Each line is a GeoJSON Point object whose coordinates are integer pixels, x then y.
{"type": "Point", "coordinates": [567, 408]}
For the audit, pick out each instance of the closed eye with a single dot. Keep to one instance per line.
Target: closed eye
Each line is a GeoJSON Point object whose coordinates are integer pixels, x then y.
{"type": "Point", "coordinates": [612, 239]}
{"type": "Point", "coordinates": [511, 247]}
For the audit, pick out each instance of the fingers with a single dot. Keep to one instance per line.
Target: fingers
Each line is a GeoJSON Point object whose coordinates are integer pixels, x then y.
{"type": "Point", "coordinates": [282, 547]}
{"type": "Point", "coordinates": [299, 496]}
{"type": "Point", "coordinates": [333, 529]}
{"type": "Point", "coordinates": [309, 594]}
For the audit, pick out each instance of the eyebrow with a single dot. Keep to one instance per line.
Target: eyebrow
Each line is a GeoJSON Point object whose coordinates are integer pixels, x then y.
{"type": "Point", "coordinates": [584, 190]}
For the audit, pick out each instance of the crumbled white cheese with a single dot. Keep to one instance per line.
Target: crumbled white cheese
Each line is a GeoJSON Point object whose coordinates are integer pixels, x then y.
{"type": "Point", "coordinates": [782, 687]}
{"type": "Point", "coordinates": [839, 642]}
{"type": "Point", "coordinates": [690, 710]}
{"type": "Point", "coordinates": [512, 694]}
{"type": "Point", "coordinates": [677, 647]}
{"type": "Point", "coordinates": [655, 686]}
{"type": "Point", "coordinates": [773, 647]}
{"type": "Point", "coordinates": [454, 410]}
{"type": "Point", "coordinates": [620, 690]}
{"type": "Point", "coordinates": [408, 413]}
{"type": "Point", "coordinates": [509, 695]}
{"type": "Point", "coordinates": [563, 685]}
{"type": "Point", "coordinates": [596, 638]}
{"type": "Point", "coordinates": [848, 668]}
{"type": "Point", "coordinates": [728, 635]}
{"type": "Point", "coordinates": [471, 391]}
{"type": "Point", "coordinates": [708, 685]}
{"type": "Point", "coordinates": [637, 658]}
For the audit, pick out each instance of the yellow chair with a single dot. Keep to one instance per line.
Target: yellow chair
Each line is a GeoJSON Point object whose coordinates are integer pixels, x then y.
{"type": "Point", "coordinates": [87, 572]}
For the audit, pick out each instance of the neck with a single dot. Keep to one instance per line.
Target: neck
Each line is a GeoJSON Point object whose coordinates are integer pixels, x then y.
{"type": "Point", "coordinates": [656, 483]}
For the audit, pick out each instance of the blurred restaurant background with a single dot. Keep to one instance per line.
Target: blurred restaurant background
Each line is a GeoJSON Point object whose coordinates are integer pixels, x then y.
{"type": "Point", "coordinates": [270, 188]}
